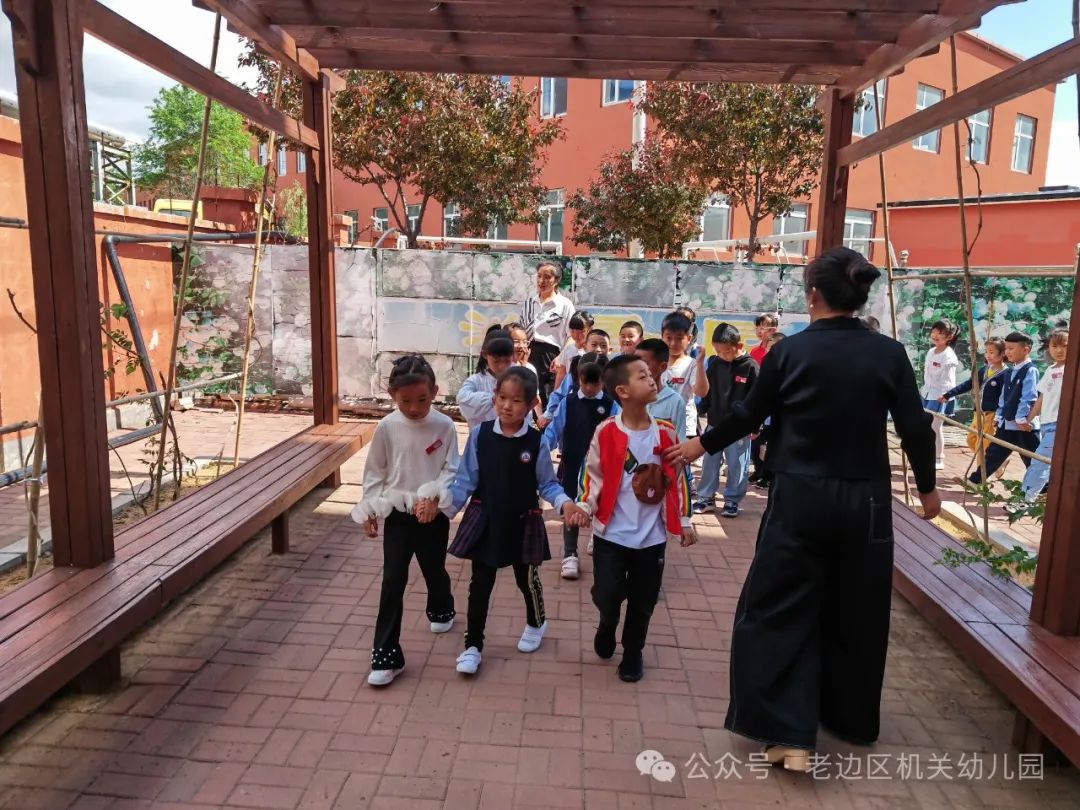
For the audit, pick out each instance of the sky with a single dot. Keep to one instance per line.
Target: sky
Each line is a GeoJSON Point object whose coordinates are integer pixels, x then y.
{"type": "Point", "coordinates": [119, 89]}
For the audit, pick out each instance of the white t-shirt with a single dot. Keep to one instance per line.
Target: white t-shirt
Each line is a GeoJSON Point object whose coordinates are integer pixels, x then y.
{"type": "Point", "coordinates": [548, 322]}
{"type": "Point", "coordinates": [680, 377]}
{"type": "Point", "coordinates": [939, 372]}
{"type": "Point", "coordinates": [567, 355]}
{"type": "Point", "coordinates": [1050, 388]}
{"type": "Point", "coordinates": [635, 524]}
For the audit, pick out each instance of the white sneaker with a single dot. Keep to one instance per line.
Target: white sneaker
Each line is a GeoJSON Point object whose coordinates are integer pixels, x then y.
{"type": "Point", "coordinates": [469, 661]}
{"type": "Point", "coordinates": [588, 548]}
{"type": "Point", "coordinates": [442, 627]}
{"type": "Point", "coordinates": [383, 677]}
{"type": "Point", "coordinates": [939, 464]}
{"type": "Point", "coordinates": [531, 638]}
{"type": "Point", "coordinates": [570, 568]}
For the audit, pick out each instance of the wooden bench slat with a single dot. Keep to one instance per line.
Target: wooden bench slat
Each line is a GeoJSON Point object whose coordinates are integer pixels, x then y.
{"type": "Point", "coordinates": [984, 595]}
{"type": "Point", "coordinates": [1054, 659]}
{"type": "Point", "coordinates": [33, 589]}
{"type": "Point", "coordinates": [929, 586]}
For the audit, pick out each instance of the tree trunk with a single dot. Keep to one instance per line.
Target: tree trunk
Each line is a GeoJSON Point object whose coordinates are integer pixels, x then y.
{"type": "Point", "coordinates": [752, 240]}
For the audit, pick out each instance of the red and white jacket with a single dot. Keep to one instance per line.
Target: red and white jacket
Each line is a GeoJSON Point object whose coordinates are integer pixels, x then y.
{"type": "Point", "coordinates": [601, 476]}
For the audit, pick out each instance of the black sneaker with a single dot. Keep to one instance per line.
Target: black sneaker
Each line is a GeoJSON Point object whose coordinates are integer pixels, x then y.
{"type": "Point", "coordinates": [701, 507]}
{"type": "Point", "coordinates": [631, 668]}
{"type": "Point", "coordinates": [604, 642]}
{"type": "Point", "coordinates": [762, 483]}
{"type": "Point", "coordinates": [731, 510]}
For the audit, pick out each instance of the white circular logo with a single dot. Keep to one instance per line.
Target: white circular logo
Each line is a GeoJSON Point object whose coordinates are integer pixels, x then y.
{"type": "Point", "coordinates": [526, 457]}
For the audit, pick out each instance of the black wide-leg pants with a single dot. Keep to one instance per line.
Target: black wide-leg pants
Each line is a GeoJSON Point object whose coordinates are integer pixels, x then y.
{"type": "Point", "coordinates": [812, 623]}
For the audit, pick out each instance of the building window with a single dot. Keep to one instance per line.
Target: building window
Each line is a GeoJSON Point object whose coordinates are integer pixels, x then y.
{"type": "Point", "coordinates": [413, 213]}
{"type": "Point", "coordinates": [927, 96]}
{"type": "Point", "coordinates": [551, 217]}
{"type": "Point", "coordinates": [792, 222]}
{"type": "Point", "coordinates": [552, 97]}
{"type": "Point", "coordinates": [979, 145]}
{"type": "Point", "coordinates": [281, 167]}
{"type": "Point", "coordinates": [716, 220]}
{"type": "Point", "coordinates": [1023, 150]}
{"type": "Point", "coordinates": [301, 161]}
{"type": "Point", "coordinates": [858, 230]}
{"type": "Point", "coordinates": [380, 219]}
{"type": "Point", "coordinates": [618, 90]}
{"type": "Point", "coordinates": [262, 154]}
{"type": "Point", "coordinates": [451, 220]}
{"type": "Point", "coordinates": [497, 230]}
{"type": "Point", "coordinates": [354, 228]}
{"type": "Point", "coordinates": [865, 120]}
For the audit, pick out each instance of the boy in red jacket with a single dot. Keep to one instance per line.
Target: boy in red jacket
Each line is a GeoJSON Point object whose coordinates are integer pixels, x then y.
{"type": "Point", "coordinates": [634, 509]}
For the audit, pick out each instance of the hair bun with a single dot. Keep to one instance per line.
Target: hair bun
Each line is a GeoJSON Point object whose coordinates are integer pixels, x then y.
{"type": "Point", "coordinates": [862, 273]}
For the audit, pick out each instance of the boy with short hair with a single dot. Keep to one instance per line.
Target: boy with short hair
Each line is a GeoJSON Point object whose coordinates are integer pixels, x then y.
{"type": "Point", "coordinates": [765, 325]}
{"type": "Point", "coordinates": [1019, 391]}
{"type": "Point", "coordinates": [637, 502]}
{"type": "Point", "coordinates": [685, 374]}
{"type": "Point", "coordinates": [631, 334]}
{"type": "Point", "coordinates": [1046, 410]}
{"type": "Point", "coordinates": [731, 374]}
{"type": "Point", "coordinates": [668, 405]}
{"type": "Point", "coordinates": [571, 430]}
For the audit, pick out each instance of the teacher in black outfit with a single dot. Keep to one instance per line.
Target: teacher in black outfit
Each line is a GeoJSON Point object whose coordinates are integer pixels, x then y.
{"type": "Point", "coordinates": [812, 623]}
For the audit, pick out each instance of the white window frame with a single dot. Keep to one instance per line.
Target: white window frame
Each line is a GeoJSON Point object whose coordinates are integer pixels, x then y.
{"type": "Point", "coordinates": [380, 221]}
{"type": "Point", "coordinates": [497, 230]}
{"type": "Point", "coordinates": [412, 213]}
{"type": "Point", "coordinates": [354, 228]}
{"type": "Point", "coordinates": [1019, 135]}
{"type": "Point", "coordinates": [451, 220]}
{"type": "Point", "coordinates": [974, 123]}
{"type": "Point", "coordinates": [549, 96]}
{"type": "Point", "coordinates": [719, 202]}
{"type": "Point", "coordinates": [554, 200]}
{"type": "Point", "coordinates": [263, 152]}
{"type": "Point", "coordinates": [607, 99]}
{"type": "Point", "coordinates": [928, 141]}
{"type": "Point", "coordinates": [301, 161]}
{"type": "Point", "coordinates": [282, 162]}
{"type": "Point", "coordinates": [793, 222]}
{"type": "Point", "coordinates": [865, 120]}
{"type": "Point", "coordinates": [853, 218]}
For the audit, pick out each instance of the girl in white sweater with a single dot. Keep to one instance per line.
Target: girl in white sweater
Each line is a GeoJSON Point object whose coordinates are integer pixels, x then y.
{"type": "Point", "coordinates": [476, 398]}
{"type": "Point", "coordinates": [939, 376]}
{"type": "Point", "coordinates": [411, 463]}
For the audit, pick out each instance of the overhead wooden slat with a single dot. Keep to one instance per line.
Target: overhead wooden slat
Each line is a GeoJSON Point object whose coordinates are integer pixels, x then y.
{"type": "Point", "coordinates": [589, 48]}
{"type": "Point", "coordinates": [609, 69]}
{"type": "Point", "coordinates": [246, 19]}
{"type": "Point", "coordinates": [304, 22]}
{"type": "Point", "coordinates": [270, 7]}
{"type": "Point", "coordinates": [111, 28]}
{"type": "Point", "coordinates": [1039, 71]}
{"type": "Point", "coordinates": [919, 38]}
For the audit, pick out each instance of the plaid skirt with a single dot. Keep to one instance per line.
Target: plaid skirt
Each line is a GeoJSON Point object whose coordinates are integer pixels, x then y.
{"type": "Point", "coordinates": [523, 540]}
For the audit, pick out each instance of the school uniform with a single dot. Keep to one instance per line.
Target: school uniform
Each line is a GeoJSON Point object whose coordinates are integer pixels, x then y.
{"type": "Point", "coordinates": [669, 407]}
{"type": "Point", "coordinates": [1038, 474]}
{"type": "Point", "coordinates": [476, 398]}
{"type": "Point", "coordinates": [812, 623]}
{"type": "Point", "coordinates": [990, 384]}
{"type": "Point", "coordinates": [503, 475]}
{"type": "Point", "coordinates": [728, 383]}
{"type": "Point", "coordinates": [681, 375]}
{"type": "Point", "coordinates": [1020, 389]}
{"type": "Point", "coordinates": [409, 460]}
{"type": "Point", "coordinates": [571, 430]}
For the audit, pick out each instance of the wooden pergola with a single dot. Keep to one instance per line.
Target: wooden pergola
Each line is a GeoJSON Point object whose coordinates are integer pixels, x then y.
{"type": "Point", "coordinates": [841, 45]}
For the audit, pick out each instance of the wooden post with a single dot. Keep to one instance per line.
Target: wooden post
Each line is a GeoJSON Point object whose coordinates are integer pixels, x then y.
{"type": "Point", "coordinates": [324, 365]}
{"type": "Point", "coordinates": [48, 39]}
{"type": "Point", "coordinates": [832, 198]}
{"type": "Point", "coordinates": [279, 534]}
{"type": "Point", "coordinates": [1054, 604]}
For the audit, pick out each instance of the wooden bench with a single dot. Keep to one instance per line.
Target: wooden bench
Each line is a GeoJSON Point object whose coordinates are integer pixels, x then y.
{"type": "Point", "coordinates": [987, 620]}
{"type": "Point", "coordinates": [67, 624]}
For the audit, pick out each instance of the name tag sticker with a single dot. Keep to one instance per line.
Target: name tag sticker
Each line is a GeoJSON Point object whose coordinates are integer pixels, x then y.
{"type": "Point", "coordinates": [740, 379]}
{"type": "Point", "coordinates": [433, 446]}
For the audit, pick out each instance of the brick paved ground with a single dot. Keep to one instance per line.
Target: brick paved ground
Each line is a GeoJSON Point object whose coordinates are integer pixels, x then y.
{"type": "Point", "coordinates": [202, 435]}
{"type": "Point", "coordinates": [250, 693]}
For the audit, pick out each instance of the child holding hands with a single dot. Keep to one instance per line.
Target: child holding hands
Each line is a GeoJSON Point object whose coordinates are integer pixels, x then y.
{"type": "Point", "coordinates": [411, 462]}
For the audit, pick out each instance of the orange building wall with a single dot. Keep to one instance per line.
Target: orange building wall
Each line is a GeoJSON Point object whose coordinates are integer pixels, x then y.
{"type": "Point", "coordinates": [593, 131]}
{"type": "Point", "coordinates": [1015, 234]}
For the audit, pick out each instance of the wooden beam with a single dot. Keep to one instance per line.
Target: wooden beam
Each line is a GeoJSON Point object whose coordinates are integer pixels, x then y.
{"type": "Point", "coordinates": [247, 20]}
{"type": "Point", "coordinates": [1039, 71]}
{"type": "Point", "coordinates": [111, 28]}
{"type": "Point", "coordinates": [1054, 604]}
{"type": "Point", "coordinates": [612, 69]}
{"type": "Point", "coordinates": [318, 110]}
{"type": "Point", "coordinates": [309, 23]}
{"type": "Point", "coordinates": [48, 42]}
{"type": "Point", "coordinates": [281, 10]}
{"type": "Point", "coordinates": [832, 197]}
{"type": "Point", "coordinates": [917, 39]}
{"type": "Point", "coordinates": [587, 48]}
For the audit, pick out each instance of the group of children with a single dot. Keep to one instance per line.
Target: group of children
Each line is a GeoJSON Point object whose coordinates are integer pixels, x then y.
{"type": "Point", "coordinates": [1018, 405]}
{"type": "Point", "coordinates": [610, 418]}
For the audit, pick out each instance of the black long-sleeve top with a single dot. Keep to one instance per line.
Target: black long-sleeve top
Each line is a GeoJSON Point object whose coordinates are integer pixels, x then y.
{"type": "Point", "coordinates": [991, 388]}
{"type": "Point", "coordinates": [829, 390]}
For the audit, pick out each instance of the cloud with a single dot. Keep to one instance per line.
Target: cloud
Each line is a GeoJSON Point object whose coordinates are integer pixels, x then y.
{"type": "Point", "coordinates": [1063, 167]}
{"type": "Point", "coordinates": [118, 88]}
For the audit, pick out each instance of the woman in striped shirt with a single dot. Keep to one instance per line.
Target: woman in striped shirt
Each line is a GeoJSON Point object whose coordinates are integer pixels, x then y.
{"type": "Point", "coordinates": [546, 318]}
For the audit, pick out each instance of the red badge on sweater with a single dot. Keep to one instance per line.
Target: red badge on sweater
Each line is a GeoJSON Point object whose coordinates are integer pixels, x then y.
{"type": "Point", "coordinates": [433, 446]}
{"type": "Point", "coordinates": [741, 379]}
